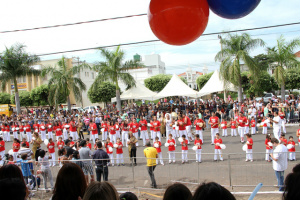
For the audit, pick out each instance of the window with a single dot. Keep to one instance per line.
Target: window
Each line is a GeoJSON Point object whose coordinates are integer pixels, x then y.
{"type": "Point", "coordinates": [24, 79]}
{"type": "Point", "coordinates": [86, 74]}
{"type": "Point", "coordinates": [92, 75]}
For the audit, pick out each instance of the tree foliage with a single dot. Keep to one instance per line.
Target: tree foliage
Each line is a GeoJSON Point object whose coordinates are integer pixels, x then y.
{"type": "Point", "coordinates": [292, 78]}
{"type": "Point", "coordinates": [40, 96]}
{"type": "Point", "coordinates": [4, 98]}
{"type": "Point", "coordinates": [25, 99]}
{"type": "Point", "coordinates": [202, 80]}
{"type": "Point", "coordinates": [158, 82]}
{"type": "Point", "coordinates": [263, 61]}
{"type": "Point", "coordinates": [102, 92]}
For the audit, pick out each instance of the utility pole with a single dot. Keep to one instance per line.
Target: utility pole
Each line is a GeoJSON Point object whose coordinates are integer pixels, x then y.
{"type": "Point", "coordinates": [220, 37]}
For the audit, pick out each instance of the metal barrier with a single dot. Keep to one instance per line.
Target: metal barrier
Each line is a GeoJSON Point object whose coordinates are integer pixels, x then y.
{"type": "Point", "coordinates": [232, 173]}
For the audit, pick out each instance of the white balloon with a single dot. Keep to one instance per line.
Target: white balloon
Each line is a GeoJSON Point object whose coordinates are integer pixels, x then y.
{"type": "Point", "coordinates": [195, 148]}
{"type": "Point", "coordinates": [102, 129]}
{"type": "Point", "coordinates": [110, 149]}
{"type": "Point", "coordinates": [180, 139]}
{"type": "Point", "coordinates": [11, 152]}
{"type": "Point", "coordinates": [223, 146]}
{"type": "Point", "coordinates": [49, 126]}
{"type": "Point", "coordinates": [270, 144]}
{"type": "Point", "coordinates": [116, 145]}
{"type": "Point", "coordinates": [46, 141]}
{"type": "Point", "coordinates": [36, 130]}
{"type": "Point", "coordinates": [42, 127]}
{"type": "Point", "coordinates": [156, 145]}
{"type": "Point", "coordinates": [289, 146]}
{"type": "Point", "coordinates": [166, 144]}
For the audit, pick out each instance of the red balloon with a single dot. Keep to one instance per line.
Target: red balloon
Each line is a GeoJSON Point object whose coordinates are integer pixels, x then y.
{"type": "Point", "coordinates": [178, 22]}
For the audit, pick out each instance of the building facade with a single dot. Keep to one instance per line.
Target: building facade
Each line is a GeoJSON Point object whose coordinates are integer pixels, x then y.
{"type": "Point", "coordinates": [191, 76]}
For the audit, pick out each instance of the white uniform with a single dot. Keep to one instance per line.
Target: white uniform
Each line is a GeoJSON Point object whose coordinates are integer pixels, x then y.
{"type": "Point", "coordinates": [276, 127]}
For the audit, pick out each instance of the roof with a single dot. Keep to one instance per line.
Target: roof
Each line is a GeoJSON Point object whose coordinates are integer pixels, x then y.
{"type": "Point", "coordinates": [184, 74]}
{"type": "Point", "coordinates": [297, 54]}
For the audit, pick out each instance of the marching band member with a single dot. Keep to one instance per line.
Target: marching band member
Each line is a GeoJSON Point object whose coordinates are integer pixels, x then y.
{"type": "Point", "coordinates": [233, 127]}
{"type": "Point", "coordinates": [28, 131]}
{"type": "Point", "coordinates": [14, 129]}
{"type": "Point", "coordinates": [188, 126]}
{"type": "Point", "coordinates": [184, 149]}
{"type": "Point", "coordinates": [218, 150]}
{"type": "Point", "coordinates": [119, 152]}
{"type": "Point", "coordinates": [42, 127]}
{"type": "Point", "coordinates": [292, 155]}
{"type": "Point", "coordinates": [73, 129]}
{"type": "Point", "coordinates": [168, 124]}
{"type": "Point", "coordinates": [134, 129]}
{"type": "Point", "coordinates": [214, 123]}
{"type": "Point", "coordinates": [15, 147]}
{"type": "Point", "coordinates": [181, 126]}
{"type": "Point", "coordinates": [60, 144]}
{"type": "Point", "coordinates": [241, 123]}
{"type": "Point", "coordinates": [157, 146]}
{"type": "Point", "coordinates": [125, 129]}
{"type": "Point", "coordinates": [282, 117]}
{"type": "Point", "coordinates": [51, 150]}
{"type": "Point", "coordinates": [198, 142]}
{"type": "Point", "coordinates": [171, 149]}
{"type": "Point", "coordinates": [265, 126]}
{"type": "Point", "coordinates": [199, 123]}
{"type": "Point", "coordinates": [249, 155]}
{"type": "Point", "coordinates": [224, 127]}
{"type": "Point", "coordinates": [104, 126]}
{"type": "Point", "coordinates": [58, 130]}
{"type": "Point", "coordinates": [144, 131]}
{"type": "Point", "coordinates": [93, 131]}
{"type": "Point", "coordinates": [21, 130]}
{"type": "Point", "coordinates": [49, 127]}
{"type": "Point", "coordinates": [253, 126]}
{"type": "Point", "coordinates": [247, 123]}
{"type": "Point", "coordinates": [269, 147]}
{"type": "Point", "coordinates": [156, 126]}
{"type": "Point", "coordinates": [118, 130]}
{"type": "Point", "coordinates": [108, 144]}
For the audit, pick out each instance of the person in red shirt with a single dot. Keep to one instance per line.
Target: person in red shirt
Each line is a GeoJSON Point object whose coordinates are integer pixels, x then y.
{"type": "Point", "coordinates": [49, 127]}
{"type": "Point", "coordinates": [156, 128]}
{"type": "Point", "coordinates": [73, 129]}
{"type": "Point", "coordinates": [233, 127]}
{"type": "Point", "coordinates": [36, 127]}
{"type": "Point", "coordinates": [151, 129]}
{"type": "Point", "coordinates": [25, 141]}
{"type": "Point", "coordinates": [269, 147]}
{"type": "Point", "coordinates": [224, 127]}
{"type": "Point", "coordinates": [157, 146]}
{"type": "Point", "coordinates": [134, 129]}
{"type": "Point", "coordinates": [125, 130]}
{"type": "Point", "coordinates": [247, 124]}
{"type": "Point", "coordinates": [88, 144]}
{"type": "Point", "coordinates": [249, 155]}
{"type": "Point", "coordinates": [28, 131]}
{"type": "Point", "coordinates": [283, 140]}
{"type": "Point", "coordinates": [181, 126]}
{"type": "Point", "coordinates": [218, 150]}
{"type": "Point", "coordinates": [15, 147]}
{"type": "Point", "coordinates": [117, 128]}
{"type": "Point", "coordinates": [292, 154]}
{"type": "Point", "coordinates": [199, 124]}
{"type": "Point", "coordinates": [104, 128]}
{"type": "Point", "coordinates": [144, 130]}
{"type": "Point", "coordinates": [253, 126]}
{"type": "Point", "coordinates": [51, 150]}
{"type": "Point", "coordinates": [108, 145]}
{"type": "Point", "coordinates": [265, 126]}
{"type": "Point", "coordinates": [93, 131]}
{"type": "Point", "coordinates": [95, 145]}
{"type": "Point", "coordinates": [21, 130]}
{"type": "Point", "coordinates": [2, 150]}
{"type": "Point", "coordinates": [119, 152]}
{"type": "Point", "coordinates": [241, 123]}
{"type": "Point", "coordinates": [171, 149]}
{"type": "Point", "coordinates": [184, 149]}
{"type": "Point", "coordinates": [60, 144]}
{"type": "Point", "coordinates": [14, 129]}
{"type": "Point", "coordinates": [198, 142]}
{"type": "Point", "coordinates": [112, 132]}
{"type": "Point", "coordinates": [188, 125]}
{"type": "Point", "coordinates": [298, 135]}
{"type": "Point", "coordinates": [214, 123]}
{"type": "Point", "coordinates": [58, 130]}
{"type": "Point", "coordinates": [43, 130]}
{"type": "Point", "coordinates": [282, 117]}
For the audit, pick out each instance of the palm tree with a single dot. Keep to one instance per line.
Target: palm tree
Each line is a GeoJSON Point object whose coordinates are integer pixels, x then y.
{"type": "Point", "coordinates": [235, 49]}
{"type": "Point", "coordinates": [15, 62]}
{"type": "Point", "coordinates": [283, 56]}
{"type": "Point", "coordinates": [113, 69]}
{"type": "Point", "coordinates": [63, 81]}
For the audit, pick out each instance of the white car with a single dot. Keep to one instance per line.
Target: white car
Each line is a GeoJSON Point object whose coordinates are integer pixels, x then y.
{"type": "Point", "coordinates": [193, 101]}
{"type": "Point", "coordinates": [89, 108]}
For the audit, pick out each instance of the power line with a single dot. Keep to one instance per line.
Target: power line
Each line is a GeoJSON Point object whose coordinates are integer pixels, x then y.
{"type": "Point", "coordinates": [150, 41]}
{"type": "Point", "coordinates": [72, 24]}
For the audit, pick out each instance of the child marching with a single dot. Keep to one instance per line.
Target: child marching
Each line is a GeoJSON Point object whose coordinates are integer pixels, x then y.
{"type": "Point", "coordinates": [184, 149]}
{"type": "Point", "coordinates": [198, 143]}
{"type": "Point", "coordinates": [119, 152]}
{"type": "Point", "coordinates": [224, 127]}
{"type": "Point", "coordinates": [253, 126]}
{"type": "Point", "coordinates": [291, 148]}
{"type": "Point", "coordinates": [249, 155]}
{"type": "Point", "coordinates": [233, 127]}
{"type": "Point", "coordinates": [269, 147]}
{"type": "Point", "coordinates": [218, 150]}
{"type": "Point", "coordinates": [157, 146]}
{"type": "Point", "coordinates": [171, 147]}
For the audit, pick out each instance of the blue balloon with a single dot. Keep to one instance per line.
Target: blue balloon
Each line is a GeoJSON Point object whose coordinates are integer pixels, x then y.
{"type": "Point", "coordinates": [232, 9]}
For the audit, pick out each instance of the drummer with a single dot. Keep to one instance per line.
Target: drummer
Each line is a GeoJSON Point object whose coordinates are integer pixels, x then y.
{"type": "Point", "coordinates": [199, 124]}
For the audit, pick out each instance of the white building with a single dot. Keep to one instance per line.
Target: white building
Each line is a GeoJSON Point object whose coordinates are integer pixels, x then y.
{"type": "Point", "coordinates": [191, 76]}
{"type": "Point", "coordinates": [153, 66]}
{"type": "Point", "coordinates": [272, 66]}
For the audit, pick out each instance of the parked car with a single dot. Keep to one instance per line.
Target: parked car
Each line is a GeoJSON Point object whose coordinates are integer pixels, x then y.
{"type": "Point", "coordinates": [265, 98]}
{"type": "Point", "coordinates": [193, 101]}
{"type": "Point", "coordinates": [89, 108]}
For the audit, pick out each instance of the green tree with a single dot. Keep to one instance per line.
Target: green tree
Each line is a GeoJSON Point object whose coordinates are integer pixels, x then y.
{"type": "Point", "coordinates": [115, 69]}
{"type": "Point", "coordinates": [202, 80]}
{"type": "Point", "coordinates": [15, 62]}
{"type": "Point", "coordinates": [263, 61]}
{"type": "Point", "coordinates": [4, 98]}
{"type": "Point", "coordinates": [158, 82]}
{"type": "Point", "coordinates": [39, 95]}
{"type": "Point", "coordinates": [283, 56]}
{"type": "Point", "coordinates": [102, 93]}
{"type": "Point", "coordinates": [236, 49]}
{"type": "Point", "coordinates": [24, 97]}
{"type": "Point", "coordinates": [292, 78]}
{"type": "Point", "coordinates": [63, 81]}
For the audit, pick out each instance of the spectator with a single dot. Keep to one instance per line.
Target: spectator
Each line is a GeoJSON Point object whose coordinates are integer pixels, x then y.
{"type": "Point", "coordinates": [279, 156]}
{"type": "Point", "coordinates": [151, 155]}
{"type": "Point", "coordinates": [13, 188]}
{"type": "Point", "coordinates": [132, 147]}
{"type": "Point", "coordinates": [68, 148]}
{"type": "Point", "coordinates": [70, 183]}
{"type": "Point", "coordinates": [85, 154]}
{"type": "Point", "coordinates": [128, 196]}
{"type": "Point", "coordinates": [292, 181]}
{"type": "Point", "coordinates": [101, 159]}
{"type": "Point", "coordinates": [212, 190]}
{"type": "Point", "coordinates": [76, 159]}
{"type": "Point", "coordinates": [177, 191]}
{"type": "Point", "coordinates": [36, 141]}
{"type": "Point", "coordinates": [45, 168]}
{"type": "Point", "coordinates": [25, 167]}
{"type": "Point", "coordinates": [101, 191]}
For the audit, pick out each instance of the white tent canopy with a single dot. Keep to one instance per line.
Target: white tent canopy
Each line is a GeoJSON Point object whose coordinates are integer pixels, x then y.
{"type": "Point", "coordinates": [215, 84]}
{"type": "Point", "coordinates": [137, 92]}
{"type": "Point", "coordinates": [176, 87]}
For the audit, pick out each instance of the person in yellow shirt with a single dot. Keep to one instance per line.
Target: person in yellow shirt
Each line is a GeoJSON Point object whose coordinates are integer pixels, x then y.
{"type": "Point", "coordinates": [151, 155]}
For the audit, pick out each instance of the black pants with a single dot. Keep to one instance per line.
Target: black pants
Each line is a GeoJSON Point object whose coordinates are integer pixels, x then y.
{"type": "Point", "coordinates": [98, 128]}
{"type": "Point", "coordinates": [102, 170]}
{"type": "Point", "coordinates": [133, 154]}
{"type": "Point", "coordinates": [151, 174]}
{"type": "Point", "coordinates": [81, 135]}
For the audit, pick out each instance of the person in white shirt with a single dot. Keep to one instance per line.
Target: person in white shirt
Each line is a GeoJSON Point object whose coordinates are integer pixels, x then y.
{"type": "Point", "coordinates": [276, 125]}
{"type": "Point", "coordinates": [280, 163]}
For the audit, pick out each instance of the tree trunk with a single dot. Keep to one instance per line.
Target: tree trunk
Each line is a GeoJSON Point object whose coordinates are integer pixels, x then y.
{"type": "Point", "coordinates": [282, 92]}
{"type": "Point", "coordinates": [69, 104]}
{"type": "Point", "coordinates": [118, 100]}
{"type": "Point", "coordinates": [240, 91]}
{"type": "Point", "coordinates": [17, 98]}
{"type": "Point", "coordinates": [225, 98]}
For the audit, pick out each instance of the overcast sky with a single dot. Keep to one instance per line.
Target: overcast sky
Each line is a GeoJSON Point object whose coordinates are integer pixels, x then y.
{"type": "Point", "coordinates": [19, 14]}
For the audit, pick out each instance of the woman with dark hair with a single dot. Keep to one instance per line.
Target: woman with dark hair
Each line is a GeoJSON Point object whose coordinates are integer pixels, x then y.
{"type": "Point", "coordinates": [128, 196]}
{"type": "Point", "coordinates": [12, 172]}
{"type": "Point", "coordinates": [177, 191]}
{"type": "Point", "coordinates": [101, 191]}
{"type": "Point", "coordinates": [70, 183]}
{"type": "Point", "coordinates": [292, 181]}
{"type": "Point", "coordinates": [132, 147]}
{"type": "Point", "coordinates": [212, 190]}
